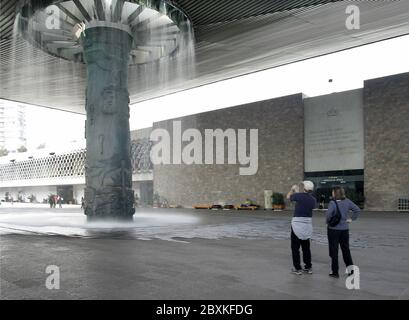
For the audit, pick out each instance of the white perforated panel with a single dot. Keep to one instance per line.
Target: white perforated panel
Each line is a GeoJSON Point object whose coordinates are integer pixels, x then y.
{"type": "Point", "coordinates": [70, 165]}
{"type": "Point", "coordinates": [58, 166]}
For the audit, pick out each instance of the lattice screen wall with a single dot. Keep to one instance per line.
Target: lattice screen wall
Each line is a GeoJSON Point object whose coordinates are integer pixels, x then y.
{"type": "Point", "coordinates": [140, 151]}
{"type": "Point", "coordinates": [70, 165]}
{"type": "Point", "coordinates": [58, 166]}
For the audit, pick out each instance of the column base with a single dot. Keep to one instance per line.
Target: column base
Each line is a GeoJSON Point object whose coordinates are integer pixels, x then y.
{"type": "Point", "coordinates": [109, 203]}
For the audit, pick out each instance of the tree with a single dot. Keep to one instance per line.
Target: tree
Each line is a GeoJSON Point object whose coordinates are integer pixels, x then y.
{"type": "Point", "coordinates": [22, 149]}
{"type": "Point", "coordinates": [3, 152]}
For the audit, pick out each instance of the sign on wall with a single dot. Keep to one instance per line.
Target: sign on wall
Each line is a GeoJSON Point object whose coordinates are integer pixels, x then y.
{"type": "Point", "coordinates": [334, 132]}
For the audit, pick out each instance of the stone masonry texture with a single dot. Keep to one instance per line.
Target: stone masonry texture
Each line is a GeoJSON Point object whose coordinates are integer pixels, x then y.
{"type": "Point", "coordinates": [281, 155]}
{"type": "Point", "coordinates": [386, 112]}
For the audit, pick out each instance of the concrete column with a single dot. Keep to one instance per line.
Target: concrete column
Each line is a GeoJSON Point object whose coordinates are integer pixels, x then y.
{"type": "Point", "coordinates": [108, 192]}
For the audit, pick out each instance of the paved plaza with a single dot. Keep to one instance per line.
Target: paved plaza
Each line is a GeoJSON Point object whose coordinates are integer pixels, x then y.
{"type": "Point", "coordinates": [187, 254]}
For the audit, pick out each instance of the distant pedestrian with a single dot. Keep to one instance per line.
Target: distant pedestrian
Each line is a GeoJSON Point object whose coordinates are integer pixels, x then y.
{"type": "Point", "coordinates": [338, 221]}
{"type": "Point", "coordinates": [82, 203]}
{"type": "Point", "coordinates": [301, 225]}
{"type": "Point", "coordinates": [51, 201]}
{"type": "Point", "coordinates": [60, 200]}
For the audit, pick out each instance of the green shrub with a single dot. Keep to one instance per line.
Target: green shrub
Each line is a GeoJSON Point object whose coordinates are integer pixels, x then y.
{"type": "Point", "coordinates": [278, 198]}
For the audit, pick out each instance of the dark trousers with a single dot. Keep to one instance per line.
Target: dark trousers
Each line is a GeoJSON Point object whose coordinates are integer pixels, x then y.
{"type": "Point", "coordinates": [296, 243]}
{"type": "Point", "coordinates": [339, 238]}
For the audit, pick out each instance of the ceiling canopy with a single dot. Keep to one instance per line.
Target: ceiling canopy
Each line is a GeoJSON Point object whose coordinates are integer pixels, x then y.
{"type": "Point", "coordinates": [232, 38]}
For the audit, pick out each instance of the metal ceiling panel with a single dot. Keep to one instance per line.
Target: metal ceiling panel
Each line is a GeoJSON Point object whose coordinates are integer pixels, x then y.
{"type": "Point", "coordinates": [217, 11]}
{"type": "Point", "coordinates": [233, 37]}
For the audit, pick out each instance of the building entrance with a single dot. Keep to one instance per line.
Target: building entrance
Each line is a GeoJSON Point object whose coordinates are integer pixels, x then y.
{"type": "Point", "coordinates": [351, 180]}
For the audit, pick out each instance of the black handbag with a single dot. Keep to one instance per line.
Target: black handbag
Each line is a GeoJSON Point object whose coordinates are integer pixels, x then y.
{"type": "Point", "coordinates": [336, 218]}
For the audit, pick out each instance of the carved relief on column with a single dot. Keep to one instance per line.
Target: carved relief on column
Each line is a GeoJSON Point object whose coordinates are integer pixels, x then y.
{"type": "Point", "coordinates": [108, 192]}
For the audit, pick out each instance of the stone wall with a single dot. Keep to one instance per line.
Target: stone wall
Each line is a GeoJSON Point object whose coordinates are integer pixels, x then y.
{"type": "Point", "coordinates": [281, 155]}
{"type": "Point", "coordinates": [386, 112]}
{"type": "Point", "coordinates": [334, 133]}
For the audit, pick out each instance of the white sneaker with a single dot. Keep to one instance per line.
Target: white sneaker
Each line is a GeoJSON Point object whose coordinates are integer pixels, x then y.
{"type": "Point", "coordinates": [309, 270]}
{"type": "Point", "coordinates": [297, 272]}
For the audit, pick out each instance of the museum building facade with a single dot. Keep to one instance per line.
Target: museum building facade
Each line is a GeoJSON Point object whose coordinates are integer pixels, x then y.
{"type": "Point", "coordinates": [358, 139]}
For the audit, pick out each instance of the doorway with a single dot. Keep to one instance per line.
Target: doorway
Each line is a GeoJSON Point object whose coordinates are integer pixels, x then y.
{"type": "Point", "coordinates": [351, 180]}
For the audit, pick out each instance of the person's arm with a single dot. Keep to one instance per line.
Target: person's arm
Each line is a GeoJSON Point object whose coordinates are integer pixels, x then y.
{"type": "Point", "coordinates": [289, 194]}
{"type": "Point", "coordinates": [355, 210]}
{"type": "Point", "coordinates": [292, 192]}
{"type": "Point", "coordinates": [330, 211]}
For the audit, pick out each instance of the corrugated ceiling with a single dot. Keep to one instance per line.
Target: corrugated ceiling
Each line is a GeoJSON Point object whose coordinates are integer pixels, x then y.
{"type": "Point", "coordinates": [233, 37]}
{"type": "Point", "coordinates": [201, 12]}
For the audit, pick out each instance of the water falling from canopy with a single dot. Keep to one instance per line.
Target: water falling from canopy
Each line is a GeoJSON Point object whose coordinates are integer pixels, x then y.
{"type": "Point", "coordinates": [162, 53]}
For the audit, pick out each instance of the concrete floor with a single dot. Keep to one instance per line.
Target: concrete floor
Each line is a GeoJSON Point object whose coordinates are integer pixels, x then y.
{"type": "Point", "coordinates": [186, 254]}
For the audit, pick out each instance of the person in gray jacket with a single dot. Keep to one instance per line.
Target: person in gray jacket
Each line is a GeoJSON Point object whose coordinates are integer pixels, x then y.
{"type": "Point", "coordinates": [338, 236]}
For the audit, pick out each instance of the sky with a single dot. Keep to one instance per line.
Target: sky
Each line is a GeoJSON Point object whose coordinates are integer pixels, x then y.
{"type": "Point", "coordinates": [348, 69]}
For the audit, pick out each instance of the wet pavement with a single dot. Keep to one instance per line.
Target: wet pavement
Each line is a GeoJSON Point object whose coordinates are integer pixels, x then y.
{"type": "Point", "coordinates": [188, 254]}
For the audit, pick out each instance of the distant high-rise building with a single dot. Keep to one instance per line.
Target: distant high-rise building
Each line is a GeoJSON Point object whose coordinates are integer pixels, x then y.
{"type": "Point", "coordinates": [12, 125]}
